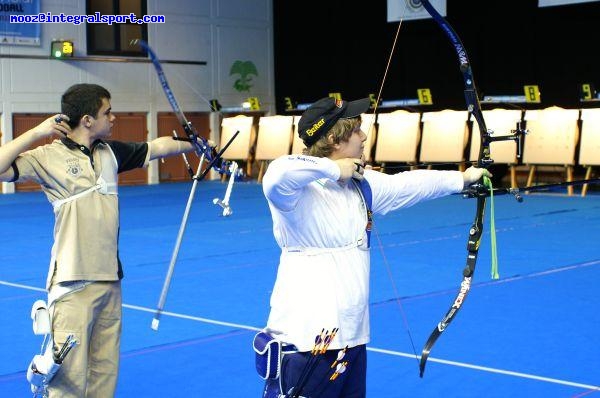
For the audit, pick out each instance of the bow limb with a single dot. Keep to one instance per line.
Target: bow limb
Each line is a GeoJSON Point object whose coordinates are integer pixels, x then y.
{"type": "Point", "coordinates": [200, 143]}
{"type": "Point", "coordinates": [484, 160]}
{"type": "Point", "coordinates": [203, 150]}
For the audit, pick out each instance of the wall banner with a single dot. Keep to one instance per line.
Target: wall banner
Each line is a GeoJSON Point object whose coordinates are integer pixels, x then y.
{"type": "Point", "coordinates": [24, 33]}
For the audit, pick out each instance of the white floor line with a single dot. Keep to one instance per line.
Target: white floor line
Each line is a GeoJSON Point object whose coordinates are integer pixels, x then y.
{"type": "Point", "coordinates": [26, 287]}
{"type": "Point", "coordinates": [487, 369]}
{"type": "Point", "coordinates": [374, 349]}
{"type": "Point", "coordinates": [192, 318]}
{"type": "Point", "coordinates": [151, 310]}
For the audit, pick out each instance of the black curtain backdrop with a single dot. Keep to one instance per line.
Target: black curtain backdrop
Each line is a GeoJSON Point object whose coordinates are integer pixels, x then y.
{"type": "Point", "coordinates": [342, 46]}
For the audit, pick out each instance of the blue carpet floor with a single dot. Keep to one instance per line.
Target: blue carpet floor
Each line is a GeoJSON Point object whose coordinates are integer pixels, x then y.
{"type": "Point", "coordinates": [532, 333]}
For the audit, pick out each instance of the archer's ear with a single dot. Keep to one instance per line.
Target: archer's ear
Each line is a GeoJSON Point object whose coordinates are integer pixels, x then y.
{"type": "Point", "coordinates": [331, 140]}
{"type": "Point", "coordinates": [85, 121]}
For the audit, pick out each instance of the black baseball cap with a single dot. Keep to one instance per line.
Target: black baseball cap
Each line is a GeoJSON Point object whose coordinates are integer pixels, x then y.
{"type": "Point", "coordinates": [322, 115]}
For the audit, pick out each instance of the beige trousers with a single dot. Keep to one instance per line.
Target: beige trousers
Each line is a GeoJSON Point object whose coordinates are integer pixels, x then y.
{"type": "Point", "coordinates": [93, 315]}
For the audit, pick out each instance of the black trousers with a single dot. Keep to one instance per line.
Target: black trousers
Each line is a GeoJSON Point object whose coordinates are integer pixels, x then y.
{"type": "Point", "coordinates": [351, 383]}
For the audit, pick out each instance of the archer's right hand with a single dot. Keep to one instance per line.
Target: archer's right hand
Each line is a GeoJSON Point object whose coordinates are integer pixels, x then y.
{"type": "Point", "coordinates": [56, 124]}
{"type": "Point", "coordinates": [350, 168]}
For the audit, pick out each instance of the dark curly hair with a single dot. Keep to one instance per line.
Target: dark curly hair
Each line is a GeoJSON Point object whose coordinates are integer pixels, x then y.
{"type": "Point", "coordinates": [82, 99]}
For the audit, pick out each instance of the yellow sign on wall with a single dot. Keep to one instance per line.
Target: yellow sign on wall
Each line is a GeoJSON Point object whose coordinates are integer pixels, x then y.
{"type": "Point", "coordinates": [288, 104]}
{"type": "Point", "coordinates": [254, 103]}
{"type": "Point", "coordinates": [532, 94]}
{"type": "Point", "coordinates": [587, 92]}
{"type": "Point", "coordinates": [424, 95]}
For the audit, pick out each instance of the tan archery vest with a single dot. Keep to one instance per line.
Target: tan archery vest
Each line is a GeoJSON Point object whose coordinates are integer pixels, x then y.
{"type": "Point", "coordinates": [85, 202]}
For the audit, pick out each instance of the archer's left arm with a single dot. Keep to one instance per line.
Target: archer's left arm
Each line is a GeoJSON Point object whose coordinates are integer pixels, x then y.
{"type": "Point", "coordinates": [163, 147]}
{"type": "Point", "coordinates": [391, 192]}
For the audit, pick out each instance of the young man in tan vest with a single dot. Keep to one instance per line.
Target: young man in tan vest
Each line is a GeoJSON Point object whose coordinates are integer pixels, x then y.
{"type": "Point", "coordinates": [78, 173]}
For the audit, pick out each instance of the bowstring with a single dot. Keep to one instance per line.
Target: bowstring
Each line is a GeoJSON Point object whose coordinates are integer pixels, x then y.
{"type": "Point", "coordinates": [198, 94]}
{"type": "Point", "coordinates": [395, 291]}
{"type": "Point", "coordinates": [374, 228]}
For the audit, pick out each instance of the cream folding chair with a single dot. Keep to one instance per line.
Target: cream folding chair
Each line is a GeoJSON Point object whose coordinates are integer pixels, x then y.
{"type": "Point", "coordinates": [589, 149]}
{"type": "Point", "coordinates": [297, 144]}
{"type": "Point", "coordinates": [240, 147]}
{"type": "Point", "coordinates": [367, 125]}
{"type": "Point", "coordinates": [444, 137]}
{"type": "Point", "coordinates": [501, 122]}
{"type": "Point", "coordinates": [552, 139]}
{"type": "Point", "coordinates": [398, 136]}
{"type": "Point", "coordinates": [274, 139]}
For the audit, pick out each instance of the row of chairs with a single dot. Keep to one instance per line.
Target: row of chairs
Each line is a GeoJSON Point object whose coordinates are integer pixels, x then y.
{"type": "Point", "coordinates": [557, 137]}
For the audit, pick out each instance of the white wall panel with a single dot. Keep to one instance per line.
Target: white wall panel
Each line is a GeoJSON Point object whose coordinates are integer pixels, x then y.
{"type": "Point", "coordinates": [189, 41]}
{"type": "Point", "coordinates": [235, 44]}
{"type": "Point", "coordinates": [35, 76]}
{"type": "Point", "coordinates": [180, 8]}
{"type": "Point", "coordinates": [37, 106]}
{"type": "Point", "coordinates": [120, 78]}
{"type": "Point", "coordinates": [256, 10]}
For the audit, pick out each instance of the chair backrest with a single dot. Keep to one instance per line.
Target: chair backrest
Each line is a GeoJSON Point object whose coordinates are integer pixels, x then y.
{"type": "Point", "coordinates": [501, 122]}
{"type": "Point", "coordinates": [589, 149]}
{"type": "Point", "coordinates": [552, 138]}
{"type": "Point", "coordinates": [274, 137]}
{"type": "Point", "coordinates": [297, 144]}
{"type": "Point", "coordinates": [368, 126]}
{"type": "Point", "coordinates": [444, 136]}
{"type": "Point", "coordinates": [398, 136]}
{"type": "Point", "coordinates": [240, 147]}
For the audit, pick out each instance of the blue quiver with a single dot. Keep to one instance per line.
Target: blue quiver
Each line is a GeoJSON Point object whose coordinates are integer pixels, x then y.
{"type": "Point", "coordinates": [268, 355]}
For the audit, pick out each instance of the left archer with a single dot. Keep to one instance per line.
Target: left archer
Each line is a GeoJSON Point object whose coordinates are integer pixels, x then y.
{"type": "Point", "coordinates": [78, 172]}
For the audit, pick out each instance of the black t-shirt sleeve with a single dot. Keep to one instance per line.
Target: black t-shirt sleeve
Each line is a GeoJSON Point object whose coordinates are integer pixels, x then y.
{"type": "Point", "coordinates": [15, 172]}
{"type": "Point", "coordinates": [130, 155]}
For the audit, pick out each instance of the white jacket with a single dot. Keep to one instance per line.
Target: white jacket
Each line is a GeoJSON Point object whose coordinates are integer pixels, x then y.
{"type": "Point", "coordinates": [319, 223]}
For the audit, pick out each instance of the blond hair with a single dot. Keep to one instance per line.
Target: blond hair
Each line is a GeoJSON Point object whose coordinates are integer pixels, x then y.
{"type": "Point", "coordinates": [340, 132]}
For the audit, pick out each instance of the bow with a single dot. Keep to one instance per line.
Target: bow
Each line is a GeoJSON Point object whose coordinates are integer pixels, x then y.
{"type": "Point", "coordinates": [483, 161]}
{"type": "Point", "coordinates": [200, 143]}
{"type": "Point", "coordinates": [203, 150]}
